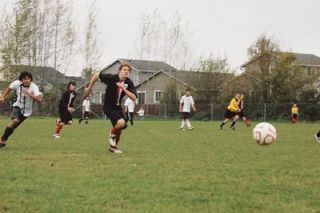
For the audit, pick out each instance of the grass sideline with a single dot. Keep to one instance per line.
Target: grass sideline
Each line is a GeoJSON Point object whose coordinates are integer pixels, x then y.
{"type": "Point", "coordinates": [162, 169]}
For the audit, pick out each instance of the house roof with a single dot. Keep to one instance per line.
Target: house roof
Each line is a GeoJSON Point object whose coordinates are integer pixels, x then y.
{"type": "Point", "coordinates": [302, 59]}
{"type": "Point", "coordinates": [144, 65]}
{"type": "Point", "coordinates": [307, 59]}
{"type": "Point", "coordinates": [49, 74]}
{"type": "Point", "coordinates": [192, 79]}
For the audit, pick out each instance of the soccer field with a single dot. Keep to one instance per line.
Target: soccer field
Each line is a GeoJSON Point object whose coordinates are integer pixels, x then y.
{"type": "Point", "coordinates": [162, 169]}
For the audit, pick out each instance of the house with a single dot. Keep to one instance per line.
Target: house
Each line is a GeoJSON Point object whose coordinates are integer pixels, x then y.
{"type": "Point", "coordinates": [308, 62]}
{"type": "Point", "coordinates": [46, 78]}
{"type": "Point", "coordinates": [205, 86]}
{"type": "Point", "coordinates": [141, 70]}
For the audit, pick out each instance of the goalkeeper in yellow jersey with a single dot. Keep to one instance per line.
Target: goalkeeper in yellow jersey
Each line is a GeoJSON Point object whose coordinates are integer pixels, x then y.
{"type": "Point", "coordinates": [294, 113]}
{"type": "Point", "coordinates": [232, 112]}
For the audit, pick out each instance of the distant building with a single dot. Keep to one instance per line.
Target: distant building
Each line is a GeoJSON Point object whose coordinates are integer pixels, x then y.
{"type": "Point", "coordinates": [46, 78]}
{"type": "Point", "coordinates": [151, 90]}
{"type": "Point", "coordinates": [309, 62]}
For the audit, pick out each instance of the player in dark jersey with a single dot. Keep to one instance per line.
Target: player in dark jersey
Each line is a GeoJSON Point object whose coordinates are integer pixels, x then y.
{"type": "Point", "coordinates": [118, 85]}
{"type": "Point", "coordinates": [66, 108]}
{"type": "Point", "coordinates": [241, 114]}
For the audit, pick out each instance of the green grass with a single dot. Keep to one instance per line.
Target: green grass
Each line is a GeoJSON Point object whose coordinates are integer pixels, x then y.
{"type": "Point", "coordinates": [162, 169]}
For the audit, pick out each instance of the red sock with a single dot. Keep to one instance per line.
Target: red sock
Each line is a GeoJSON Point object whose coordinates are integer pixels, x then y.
{"type": "Point", "coordinates": [58, 128]}
{"type": "Point", "coordinates": [118, 136]}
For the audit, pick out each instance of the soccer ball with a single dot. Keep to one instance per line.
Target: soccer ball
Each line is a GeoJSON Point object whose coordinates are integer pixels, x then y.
{"type": "Point", "coordinates": [264, 134]}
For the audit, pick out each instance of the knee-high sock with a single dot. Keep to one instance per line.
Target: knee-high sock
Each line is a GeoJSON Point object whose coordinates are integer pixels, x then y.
{"type": "Point", "coordinates": [118, 137]}
{"type": "Point", "coordinates": [7, 132]}
{"type": "Point", "coordinates": [188, 123]}
{"type": "Point", "coordinates": [58, 127]}
{"type": "Point", "coordinates": [183, 123]}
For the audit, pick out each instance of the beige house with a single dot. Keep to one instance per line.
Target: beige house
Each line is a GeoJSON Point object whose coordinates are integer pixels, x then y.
{"type": "Point", "coordinates": [151, 90]}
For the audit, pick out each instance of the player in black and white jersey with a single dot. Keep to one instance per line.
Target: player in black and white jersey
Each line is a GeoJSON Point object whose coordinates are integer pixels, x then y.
{"type": "Point", "coordinates": [27, 92]}
{"type": "Point", "coordinates": [186, 103]}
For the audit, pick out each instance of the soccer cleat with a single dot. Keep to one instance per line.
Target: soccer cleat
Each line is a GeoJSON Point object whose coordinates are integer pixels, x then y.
{"type": "Point", "coordinates": [2, 144]}
{"type": "Point", "coordinates": [248, 125]}
{"type": "Point", "coordinates": [317, 138]}
{"type": "Point", "coordinates": [56, 136]}
{"type": "Point", "coordinates": [233, 127]}
{"type": "Point", "coordinates": [115, 150]}
{"type": "Point", "coordinates": [191, 128]}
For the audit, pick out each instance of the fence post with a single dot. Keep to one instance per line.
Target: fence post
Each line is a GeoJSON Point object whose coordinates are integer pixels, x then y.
{"type": "Point", "coordinates": [165, 111]}
{"type": "Point", "coordinates": [264, 112]}
{"type": "Point", "coordinates": [211, 111]}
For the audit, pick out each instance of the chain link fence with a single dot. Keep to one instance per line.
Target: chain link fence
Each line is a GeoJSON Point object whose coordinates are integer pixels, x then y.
{"type": "Point", "coordinates": [205, 112]}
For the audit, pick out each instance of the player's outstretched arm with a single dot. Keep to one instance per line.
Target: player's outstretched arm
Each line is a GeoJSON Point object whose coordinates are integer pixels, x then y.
{"type": "Point", "coordinates": [92, 82]}
{"type": "Point", "coordinates": [5, 94]}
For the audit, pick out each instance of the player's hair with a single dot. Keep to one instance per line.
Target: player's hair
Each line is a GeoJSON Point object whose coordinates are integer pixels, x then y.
{"type": "Point", "coordinates": [124, 65]}
{"type": "Point", "coordinates": [188, 89]}
{"type": "Point", "coordinates": [25, 74]}
{"type": "Point", "coordinates": [71, 83]}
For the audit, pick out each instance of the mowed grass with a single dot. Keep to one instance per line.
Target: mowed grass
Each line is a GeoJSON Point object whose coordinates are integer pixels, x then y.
{"type": "Point", "coordinates": [162, 169]}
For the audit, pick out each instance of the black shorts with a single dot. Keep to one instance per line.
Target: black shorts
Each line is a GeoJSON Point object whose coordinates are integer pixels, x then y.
{"type": "Point", "coordinates": [115, 114]}
{"type": "Point", "coordinates": [86, 114]}
{"type": "Point", "coordinates": [65, 115]}
{"type": "Point", "coordinates": [185, 115]}
{"type": "Point", "coordinates": [17, 114]}
{"type": "Point", "coordinates": [241, 114]}
{"type": "Point", "coordinates": [229, 114]}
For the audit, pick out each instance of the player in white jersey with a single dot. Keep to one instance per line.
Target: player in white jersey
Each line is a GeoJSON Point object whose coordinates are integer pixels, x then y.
{"type": "Point", "coordinates": [85, 110]}
{"type": "Point", "coordinates": [186, 103]}
{"type": "Point", "coordinates": [26, 92]}
{"type": "Point", "coordinates": [129, 110]}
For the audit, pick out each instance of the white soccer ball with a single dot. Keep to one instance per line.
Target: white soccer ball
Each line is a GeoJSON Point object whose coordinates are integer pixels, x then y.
{"type": "Point", "coordinates": [264, 134]}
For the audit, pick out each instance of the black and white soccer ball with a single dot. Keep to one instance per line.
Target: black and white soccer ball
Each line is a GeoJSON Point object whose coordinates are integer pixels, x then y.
{"type": "Point", "coordinates": [264, 134]}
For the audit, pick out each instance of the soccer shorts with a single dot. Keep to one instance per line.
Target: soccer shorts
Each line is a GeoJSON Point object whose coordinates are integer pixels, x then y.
{"type": "Point", "coordinates": [17, 114]}
{"type": "Point", "coordinates": [185, 115]}
{"type": "Point", "coordinates": [65, 115]}
{"type": "Point", "coordinates": [229, 114]}
{"type": "Point", "coordinates": [115, 114]}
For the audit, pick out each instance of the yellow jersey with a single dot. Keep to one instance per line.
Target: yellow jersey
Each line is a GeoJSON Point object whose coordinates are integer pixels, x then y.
{"type": "Point", "coordinates": [294, 110]}
{"type": "Point", "coordinates": [233, 105]}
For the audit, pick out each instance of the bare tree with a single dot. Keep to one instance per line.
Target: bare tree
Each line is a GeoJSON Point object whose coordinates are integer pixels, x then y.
{"type": "Point", "coordinates": [92, 44]}
{"type": "Point", "coordinates": [164, 40]}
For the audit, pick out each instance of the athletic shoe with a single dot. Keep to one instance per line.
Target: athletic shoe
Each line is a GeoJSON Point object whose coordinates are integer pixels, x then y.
{"type": "Point", "coordinates": [112, 140]}
{"type": "Point", "coordinates": [220, 127]}
{"type": "Point", "coordinates": [233, 127]}
{"type": "Point", "coordinates": [317, 138]}
{"type": "Point", "coordinates": [248, 125]}
{"type": "Point", "coordinates": [191, 128]}
{"type": "Point", "coordinates": [56, 136]}
{"type": "Point", "coordinates": [115, 150]}
{"type": "Point", "coordinates": [181, 128]}
{"type": "Point", "coordinates": [2, 144]}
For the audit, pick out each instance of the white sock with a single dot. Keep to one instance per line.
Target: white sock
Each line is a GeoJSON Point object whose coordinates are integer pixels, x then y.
{"type": "Point", "coordinates": [182, 124]}
{"type": "Point", "coordinates": [188, 123]}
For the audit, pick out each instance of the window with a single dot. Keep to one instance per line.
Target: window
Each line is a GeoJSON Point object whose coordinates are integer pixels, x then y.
{"type": "Point", "coordinates": [96, 97]}
{"type": "Point", "coordinates": [141, 97]}
{"type": "Point", "coordinates": [157, 96]}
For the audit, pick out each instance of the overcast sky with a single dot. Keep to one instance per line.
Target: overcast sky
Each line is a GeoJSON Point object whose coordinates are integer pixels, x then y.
{"type": "Point", "coordinates": [221, 27]}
